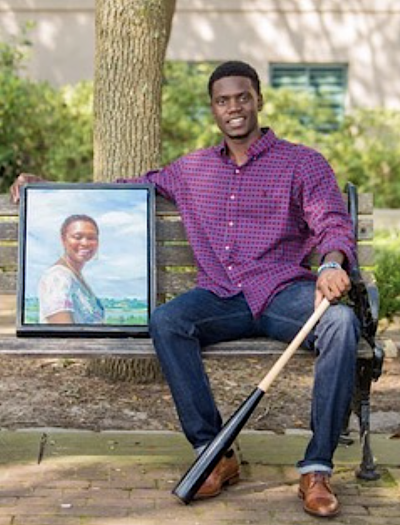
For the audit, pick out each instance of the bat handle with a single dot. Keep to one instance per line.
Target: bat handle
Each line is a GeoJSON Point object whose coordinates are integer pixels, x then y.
{"type": "Point", "coordinates": [266, 382]}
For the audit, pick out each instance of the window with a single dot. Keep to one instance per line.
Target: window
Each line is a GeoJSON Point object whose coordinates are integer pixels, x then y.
{"type": "Point", "coordinates": [327, 82]}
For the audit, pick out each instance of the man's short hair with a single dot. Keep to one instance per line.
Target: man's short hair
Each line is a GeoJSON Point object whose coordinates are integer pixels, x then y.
{"type": "Point", "coordinates": [234, 68]}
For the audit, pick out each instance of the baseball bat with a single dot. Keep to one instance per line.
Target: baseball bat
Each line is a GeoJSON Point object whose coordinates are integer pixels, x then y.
{"type": "Point", "coordinates": [205, 463]}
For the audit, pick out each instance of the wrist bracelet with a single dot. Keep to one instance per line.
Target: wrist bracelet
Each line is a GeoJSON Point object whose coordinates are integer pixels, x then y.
{"type": "Point", "coordinates": [326, 266]}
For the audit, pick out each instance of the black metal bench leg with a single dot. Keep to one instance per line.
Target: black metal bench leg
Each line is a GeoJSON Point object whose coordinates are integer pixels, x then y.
{"type": "Point", "coordinates": [345, 438]}
{"type": "Point", "coordinates": [367, 469]}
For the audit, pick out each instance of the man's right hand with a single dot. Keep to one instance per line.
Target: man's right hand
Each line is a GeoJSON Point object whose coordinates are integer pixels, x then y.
{"type": "Point", "coordinates": [23, 178]}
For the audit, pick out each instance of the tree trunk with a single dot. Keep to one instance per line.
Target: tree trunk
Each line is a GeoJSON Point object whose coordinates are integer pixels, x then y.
{"type": "Point", "coordinates": [131, 41]}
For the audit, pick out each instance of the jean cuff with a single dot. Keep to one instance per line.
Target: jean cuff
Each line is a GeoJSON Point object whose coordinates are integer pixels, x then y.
{"type": "Point", "coordinates": [316, 467]}
{"type": "Point", "coordinates": [199, 450]}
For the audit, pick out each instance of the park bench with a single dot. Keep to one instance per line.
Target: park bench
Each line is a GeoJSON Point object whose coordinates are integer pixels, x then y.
{"type": "Point", "coordinates": [176, 273]}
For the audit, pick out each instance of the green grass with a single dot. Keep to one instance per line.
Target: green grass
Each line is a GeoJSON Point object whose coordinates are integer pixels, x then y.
{"type": "Point", "coordinates": [387, 271]}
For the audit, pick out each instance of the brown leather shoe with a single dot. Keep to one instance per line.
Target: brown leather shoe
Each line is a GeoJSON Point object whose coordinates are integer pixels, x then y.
{"type": "Point", "coordinates": [225, 473]}
{"type": "Point", "coordinates": [318, 497]}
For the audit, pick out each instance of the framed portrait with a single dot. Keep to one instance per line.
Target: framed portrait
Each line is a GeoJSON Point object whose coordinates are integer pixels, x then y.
{"type": "Point", "coordinates": [86, 260]}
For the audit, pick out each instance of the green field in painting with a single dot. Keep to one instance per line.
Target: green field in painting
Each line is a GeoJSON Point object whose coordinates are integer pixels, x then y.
{"type": "Point", "coordinates": [118, 312]}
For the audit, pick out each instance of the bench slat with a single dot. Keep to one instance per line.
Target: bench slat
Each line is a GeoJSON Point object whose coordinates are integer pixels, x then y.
{"type": "Point", "coordinates": [171, 283]}
{"type": "Point", "coordinates": [135, 347]}
{"type": "Point", "coordinates": [179, 255]}
{"type": "Point", "coordinates": [173, 230]}
{"type": "Point", "coordinates": [8, 231]}
{"type": "Point", "coordinates": [365, 205]}
{"type": "Point", "coordinates": [8, 256]}
{"type": "Point", "coordinates": [126, 347]}
{"type": "Point", "coordinates": [8, 282]}
{"type": "Point", "coordinates": [174, 283]}
{"type": "Point", "coordinates": [7, 209]}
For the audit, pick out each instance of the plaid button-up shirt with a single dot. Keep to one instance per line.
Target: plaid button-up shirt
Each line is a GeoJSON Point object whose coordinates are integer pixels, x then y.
{"type": "Point", "coordinates": [253, 227]}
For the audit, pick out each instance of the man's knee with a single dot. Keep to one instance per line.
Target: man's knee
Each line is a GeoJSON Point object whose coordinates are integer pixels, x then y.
{"type": "Point", "coordinates": [160, 319]}
{"type": "Point", "coordinates": [167, 317]}
{"type": "Point", "coordinates": [341, 317]}
{"type": "Point", "coordinates": [339, 330]}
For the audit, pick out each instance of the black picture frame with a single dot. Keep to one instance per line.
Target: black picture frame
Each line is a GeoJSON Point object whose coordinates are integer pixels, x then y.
{"type": "Point", "coordinates": [86, 260]}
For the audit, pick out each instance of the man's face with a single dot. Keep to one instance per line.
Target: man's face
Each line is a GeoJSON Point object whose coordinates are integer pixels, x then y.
{"type": "Point", "coordinates": [235, 105]}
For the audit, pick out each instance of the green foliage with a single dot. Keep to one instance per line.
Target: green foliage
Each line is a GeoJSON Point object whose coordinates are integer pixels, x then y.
{"type": "Point", "coordinates": [42, 130]}
{"type": "Point", "coordinates": [15, 52]}
{"type": "Point", "coordinates": [294, 115]}
{"type": "Point", "coordinates": [366, 151]}
{"type": "Point", "coordinates": [71, 157]}
{"type": "Point", "coordinates": [387, 272]}
{"type": "Point", "coordinates": [187, 123]}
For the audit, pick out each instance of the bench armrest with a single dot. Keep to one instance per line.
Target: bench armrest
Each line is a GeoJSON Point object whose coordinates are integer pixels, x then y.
{"type": "Point", "coordinates": [364, 297]}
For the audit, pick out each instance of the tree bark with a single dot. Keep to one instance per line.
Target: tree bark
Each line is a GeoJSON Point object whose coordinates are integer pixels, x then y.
{"type": "Point", "coordinates": [131, 42]}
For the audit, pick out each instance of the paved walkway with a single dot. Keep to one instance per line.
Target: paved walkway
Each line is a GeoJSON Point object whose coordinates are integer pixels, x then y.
{"type": "Point", "coordinates": [121, 478]}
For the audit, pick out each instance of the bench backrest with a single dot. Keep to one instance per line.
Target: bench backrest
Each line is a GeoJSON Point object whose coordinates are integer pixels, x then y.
{"type": "Point", "coordinates": [175, 266]}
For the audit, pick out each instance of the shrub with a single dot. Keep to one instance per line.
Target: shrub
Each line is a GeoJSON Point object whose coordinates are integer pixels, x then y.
{"type": "Point", "coordinates": [387, 272]}
{"type": "Point", "coordinates": [366, 151]}
{"type": "Point", "coordinates": [71, 156]}
{"type": "Point", "coordinates": [187, 123]}
{"type": "Point", "coordinates": [43, 130]}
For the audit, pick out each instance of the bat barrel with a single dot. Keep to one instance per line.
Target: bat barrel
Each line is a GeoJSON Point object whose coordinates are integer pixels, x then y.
{"type": "Point", "coordinates": [205, 463]}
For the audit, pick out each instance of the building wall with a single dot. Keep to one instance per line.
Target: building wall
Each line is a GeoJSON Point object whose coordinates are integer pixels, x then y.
{"type": "Point", "coordinates": [365, 34]}
{"type": "Point", "coordinates": [63, 39]}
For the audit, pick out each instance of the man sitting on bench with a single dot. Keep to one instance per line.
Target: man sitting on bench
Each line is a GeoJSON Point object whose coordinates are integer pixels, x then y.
{"type": "Point", "coordinates": [254, 208]}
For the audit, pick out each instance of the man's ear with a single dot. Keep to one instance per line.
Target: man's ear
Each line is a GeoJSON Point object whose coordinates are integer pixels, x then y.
{"type": "Point", "coordinates": [260, 102]}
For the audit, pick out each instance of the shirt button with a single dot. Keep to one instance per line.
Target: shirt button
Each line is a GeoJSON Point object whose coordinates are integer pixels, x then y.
{"type": "Point", "coordinates": [230, 223]}
{"type": "Point", "coordinates": [232, 197]}
{"type": "Point", "coordinates": [230, 267]}
{"type": "Point", "coordinates": [227, 247]}
{"type": "Point", "coordinates": [237, 171]}
{"type": "Point", "coordinates": [239, 285]}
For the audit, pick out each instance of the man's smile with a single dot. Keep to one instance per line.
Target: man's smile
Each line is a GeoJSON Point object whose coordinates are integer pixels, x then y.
{"type": "Point", "coordinates": [236, 122]}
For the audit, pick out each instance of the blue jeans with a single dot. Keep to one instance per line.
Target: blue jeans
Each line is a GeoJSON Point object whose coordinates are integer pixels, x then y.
{"type": "Point", "coordinates": [181, 327]}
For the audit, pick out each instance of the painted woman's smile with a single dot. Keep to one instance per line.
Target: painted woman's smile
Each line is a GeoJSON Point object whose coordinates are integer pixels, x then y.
{"type": "Point", "coordinates": [81, 242]}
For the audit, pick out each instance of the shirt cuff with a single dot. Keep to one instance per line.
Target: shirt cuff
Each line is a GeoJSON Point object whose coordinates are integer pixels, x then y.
{"type": "Point", "coordinates": [350, 259]}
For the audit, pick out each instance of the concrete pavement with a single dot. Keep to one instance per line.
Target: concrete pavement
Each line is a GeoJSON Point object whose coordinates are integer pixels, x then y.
{"type": "Point", "coordinates": [121, 478]}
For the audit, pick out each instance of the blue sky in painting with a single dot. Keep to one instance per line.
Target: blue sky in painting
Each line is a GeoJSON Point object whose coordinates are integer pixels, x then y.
{"type": "Point", "coordinates": [120, 270]}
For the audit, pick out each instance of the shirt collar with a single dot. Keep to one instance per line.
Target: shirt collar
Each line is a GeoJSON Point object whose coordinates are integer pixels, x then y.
{"type": "Point", "coordinates": [264, 143]}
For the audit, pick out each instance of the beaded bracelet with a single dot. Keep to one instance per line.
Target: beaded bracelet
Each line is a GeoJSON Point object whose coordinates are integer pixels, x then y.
{"type": "Point", "coordinates": [327, 265]}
